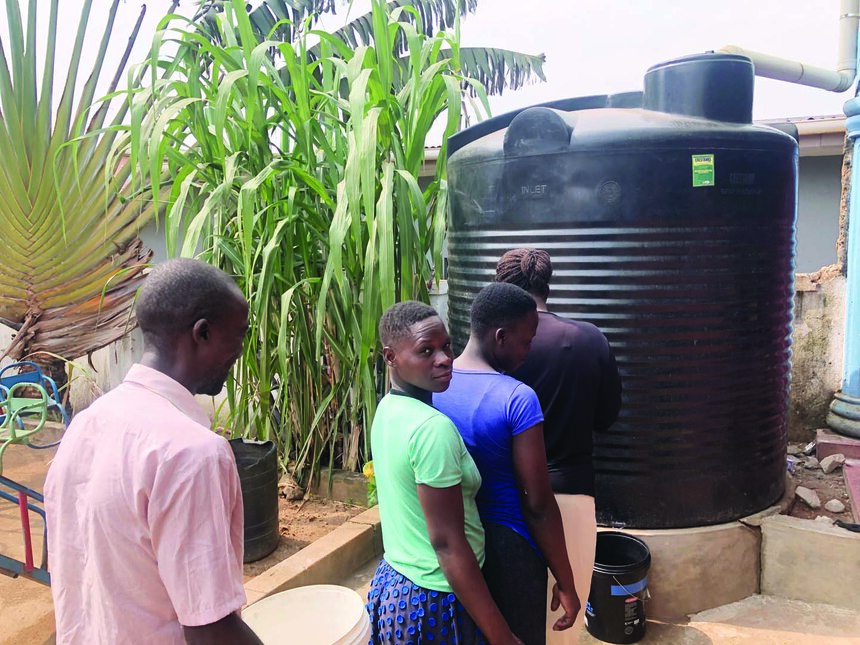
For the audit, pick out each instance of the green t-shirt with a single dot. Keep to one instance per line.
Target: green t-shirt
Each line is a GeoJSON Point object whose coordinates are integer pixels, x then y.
{"type": "Point", "coordinates": [413, 444]}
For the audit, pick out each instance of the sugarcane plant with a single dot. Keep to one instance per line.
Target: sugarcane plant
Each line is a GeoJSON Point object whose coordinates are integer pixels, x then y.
{"type": "Point", "coordinates": [71, 257]}
{"type": "Point", "coordinates": [298, 174]}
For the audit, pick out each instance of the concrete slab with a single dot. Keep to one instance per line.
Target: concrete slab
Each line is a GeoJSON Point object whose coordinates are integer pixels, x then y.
{"type": "Point", "coordinates": [360, 579]}
{"type": "Point", "coordinates": [851, 473]}
{"type": "Point", "coordinates": [757, 620]}
{"type": "Point", "coordinates": [700, 568]}
{"type": "Point", "coordinates": [810, 561]}
{"type": "Point", "coordinates": [829, 443]}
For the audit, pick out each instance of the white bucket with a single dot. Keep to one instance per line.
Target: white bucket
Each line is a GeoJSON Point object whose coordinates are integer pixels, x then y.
{"type": "Point", "coordinates": [312, 615]}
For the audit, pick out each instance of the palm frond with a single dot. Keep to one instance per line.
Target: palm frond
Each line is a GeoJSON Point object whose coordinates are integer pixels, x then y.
{"type": "Point", "coordinates": [72, 259]}
{"type": "Point", "coordinates": [500, 69]}
{"type": "Point", "coordinates": [429, 16]}
{"type": "Point", "coordinates": [497, 69]}
{"type": "Point", "coordinates": [274, 19]}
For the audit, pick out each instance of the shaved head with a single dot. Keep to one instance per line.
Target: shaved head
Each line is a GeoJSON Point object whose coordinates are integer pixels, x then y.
{"type": "Point", "coordinates": [178, 293]}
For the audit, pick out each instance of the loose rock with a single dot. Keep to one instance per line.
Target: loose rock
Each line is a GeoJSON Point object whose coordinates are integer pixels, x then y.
{"type": "Point", "coordinates": [794, 449]}
{"type": "Point", "coordinates": [834, 506]}
{"type": "Point", "coordinates": [290, 489]}
{"type": "Point", "coordinates": [811, 463]}
{"type": "Point", "coordinates": [831, 463]}
{"type": "Point", "coordinates": [808, 497]}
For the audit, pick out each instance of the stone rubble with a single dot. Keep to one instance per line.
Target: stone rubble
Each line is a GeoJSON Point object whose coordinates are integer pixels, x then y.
{"type": "Point", "coordinates": [834, 506]}
{"type": "Point", "coordinates": [808, 497]}
{"type": "Point", "coordinates": [290, 489]}
{"type": "Point", "coordinates": [811, 463]}
{"type": "Point", "coordinates": [831, 463]}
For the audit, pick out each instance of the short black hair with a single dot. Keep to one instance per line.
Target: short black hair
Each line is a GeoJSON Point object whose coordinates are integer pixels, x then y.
{"type": "Point", "coordinates": [499, 304]}
{"type": "Point", "coordinates": [397, 319]}
{"type": "Point", "coordinates": [179, 292]}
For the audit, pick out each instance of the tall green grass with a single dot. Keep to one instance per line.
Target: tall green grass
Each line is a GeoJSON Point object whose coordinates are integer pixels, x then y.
{"type": "Point", "coordinates": [298, 174]}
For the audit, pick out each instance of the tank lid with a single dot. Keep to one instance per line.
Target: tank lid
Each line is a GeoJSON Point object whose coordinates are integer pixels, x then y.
{"type": "Point", "coordinates": [714, 86]}
{"type": "Point", "coordinates": [502, 121]}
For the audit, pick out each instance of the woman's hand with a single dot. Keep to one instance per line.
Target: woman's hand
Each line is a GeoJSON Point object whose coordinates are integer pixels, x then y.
{"type": "Point", "coordinates": [569, 601]}
{"type": "Point", "coordinates": [543, 519]}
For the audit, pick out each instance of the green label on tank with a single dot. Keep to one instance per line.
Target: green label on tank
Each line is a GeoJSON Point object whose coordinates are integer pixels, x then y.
{"type": "Point", "coordinates": [703, 170]}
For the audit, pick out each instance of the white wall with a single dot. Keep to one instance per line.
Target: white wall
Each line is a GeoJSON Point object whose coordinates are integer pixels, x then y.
{"type": "Point", "coordinates": [819, 194]}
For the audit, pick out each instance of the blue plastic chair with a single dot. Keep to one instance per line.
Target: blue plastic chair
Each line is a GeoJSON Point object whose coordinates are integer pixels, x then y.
{"type": "Point", "coordinates": [23, 415]}
{"type": "Point", "coordinates": [32, 373]}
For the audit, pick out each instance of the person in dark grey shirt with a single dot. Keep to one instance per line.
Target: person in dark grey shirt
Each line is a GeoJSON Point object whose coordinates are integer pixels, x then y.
{"type": "Point", "coordinates": [573, 371]}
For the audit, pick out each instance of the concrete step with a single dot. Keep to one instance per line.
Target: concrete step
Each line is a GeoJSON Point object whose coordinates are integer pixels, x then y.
{"type": "Point", "coordinates": [757, 620]}
{"type": "Point", "coordinates": [851, 472]}
{"type": "Point", "coordinates": [359, 579]}
{"type": "Point", "coordinates": [829, 443]}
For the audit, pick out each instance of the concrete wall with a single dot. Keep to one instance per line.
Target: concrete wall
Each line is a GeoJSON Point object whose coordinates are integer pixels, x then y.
{"type": "Point", "coordinates": [816, 365]}
{"type": "Point", "coordinates": [104, 369]}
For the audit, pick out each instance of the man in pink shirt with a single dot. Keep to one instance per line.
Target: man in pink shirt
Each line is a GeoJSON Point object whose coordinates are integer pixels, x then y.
{"type": "Point", "coordinates": [143, 501]}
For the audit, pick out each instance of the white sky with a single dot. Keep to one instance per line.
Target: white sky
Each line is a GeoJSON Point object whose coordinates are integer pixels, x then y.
{"type": "Point", "coordinates": [605, 46]}
{"type": "Point", "coordinates": [594, 46]}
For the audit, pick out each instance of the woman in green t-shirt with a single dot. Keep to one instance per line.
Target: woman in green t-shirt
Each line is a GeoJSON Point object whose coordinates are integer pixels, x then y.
{"type": "Point", "coordinates": [428, 587]}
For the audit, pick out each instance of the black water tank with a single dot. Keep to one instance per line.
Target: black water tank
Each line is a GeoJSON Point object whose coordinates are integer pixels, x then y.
{"type": "Point", "coordinates": [257, 462]}
{"type": "Point", "coordinates": [674, 234]}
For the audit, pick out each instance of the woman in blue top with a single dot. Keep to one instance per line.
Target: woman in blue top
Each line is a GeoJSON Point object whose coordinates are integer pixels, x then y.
{"type": "Point", "coordinates": [501, 423]}
{"type": "Point", "coordinates": [428, 588]}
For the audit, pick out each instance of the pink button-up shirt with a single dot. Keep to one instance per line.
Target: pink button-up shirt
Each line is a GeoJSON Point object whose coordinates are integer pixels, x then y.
{"type": "Point", "coordinates": [145, 524]}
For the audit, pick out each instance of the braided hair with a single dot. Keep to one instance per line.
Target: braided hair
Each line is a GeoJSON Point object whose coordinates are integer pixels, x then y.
{"type": "Point", "coordinates": [529, 269]}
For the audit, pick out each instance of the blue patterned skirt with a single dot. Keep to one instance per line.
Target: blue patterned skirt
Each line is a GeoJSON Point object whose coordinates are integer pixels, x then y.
{"type": "Point", "coordinates": [402, 612]}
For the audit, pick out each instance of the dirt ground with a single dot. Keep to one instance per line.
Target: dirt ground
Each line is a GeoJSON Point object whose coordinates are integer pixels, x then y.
{"type": "Point", "coordinates": [828, 486]}
{"type": "Point", "coordinates": [302, 522]}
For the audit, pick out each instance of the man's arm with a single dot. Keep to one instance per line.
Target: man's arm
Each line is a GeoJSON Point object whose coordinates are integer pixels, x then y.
{"type": "Point", "coordinates": [230, 630]}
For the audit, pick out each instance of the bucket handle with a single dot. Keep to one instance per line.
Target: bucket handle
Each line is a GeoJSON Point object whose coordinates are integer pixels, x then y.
{"type": "Point", "coordinates": [637, 587]}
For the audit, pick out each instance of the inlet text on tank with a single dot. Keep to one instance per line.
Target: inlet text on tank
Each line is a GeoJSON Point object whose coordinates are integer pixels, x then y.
{"type": "Point", "coordinates": [534, 190]}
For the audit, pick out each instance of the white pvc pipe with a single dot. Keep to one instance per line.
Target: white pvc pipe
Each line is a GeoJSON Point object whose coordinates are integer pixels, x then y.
{"type": "Point", "coordinates": [791, 71]}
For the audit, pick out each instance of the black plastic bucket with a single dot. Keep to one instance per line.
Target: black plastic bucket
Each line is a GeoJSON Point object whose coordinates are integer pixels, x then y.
{"type": "Point", "coordinates": [615, 612]}
{"type": "Point", "coordinates": [258, 472]}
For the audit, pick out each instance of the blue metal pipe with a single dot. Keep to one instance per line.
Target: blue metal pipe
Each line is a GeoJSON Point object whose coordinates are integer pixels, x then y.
{"type": "Point", "coordinates": [844, 416]}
